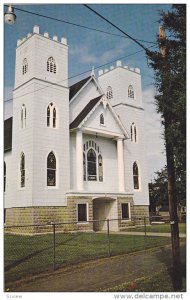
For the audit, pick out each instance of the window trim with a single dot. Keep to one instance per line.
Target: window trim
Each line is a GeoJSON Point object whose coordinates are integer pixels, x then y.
{"type": "Point", "coordinates": [87, 146]}
{"type": "Point", "coordinates": [51, 65]}
{"type": "Point", "coordinates": [129, 212]}
{"type": "Point", "coordinates": [52, 116]}
{"type": "Point", "coordinates": [136, 176]}
{"type": "Point", "coordinates": [24, 66]}
{"type": "Point", "coordinates": [131, 92]}
{"type": "Point", "coordinates": [22, 171]}
{"type": "Point", "coordinates": [23, 116]}
{"type": "Point", "coordinates": [134, 133]}
{"type": "Point", "coordinates": [5, 177]}
{"type": "Point", "coordinates": [87, 212]}
{"type": "Point", "coordinates": [51, 169]}
{"type": "Point", "coordinates": [109, 93]}
{"type": "Point", "coordinates": [102, 119]}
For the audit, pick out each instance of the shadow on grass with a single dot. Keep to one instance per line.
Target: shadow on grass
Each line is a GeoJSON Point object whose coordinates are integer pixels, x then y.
{"type": "Point", "coordinates": [165, 256]}
{"type": "Point", "coordinates": [35, 253]}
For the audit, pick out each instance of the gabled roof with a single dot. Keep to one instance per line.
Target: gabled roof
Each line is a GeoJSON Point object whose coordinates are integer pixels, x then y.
{"type": "Point", "coordinates": [75, 88]}
{"type": "Point", "coordinates": [8, 124]}
{"type": "Point", "coordinates": [88, 110]}
{"type": "Point", "coordinates": [84, 112]}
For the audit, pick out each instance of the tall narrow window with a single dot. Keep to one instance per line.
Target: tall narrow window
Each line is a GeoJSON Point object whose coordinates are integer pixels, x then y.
{"type": "Point", "coordinates": [125, 211]}
{"type": "Point", "coordinates": [100, 167]}
{"type": "Point", "coordinates": [51, 115]}
{"type": "Point", "coordinates": [130, 92]}
{"type": "Point", "coordinates": [91, 165]}
{"type": "Point", "coordinates": [51, 65]}
{"type": "Point", "coordinates": [102, 119]}
{"type": "Point", "coordinates": [82, 212]}
{"type": "Point", "coordinates": [92, 162]}
{"type": "Point", "coordinates": [135, 176]}
{"type": "Point", "coordinates": [48, 116]}
{"type": "Point", "coordinates": [109, 92]}
{"type": "Point", "coordinates": [23, 116]}
{"type": "Point", "coordinates": [51, 169]}
{"type": "Point", "coordinates": [22, 170]}
{"type": "Point", "coordinates": [133, 133]}
{"type": "Point", "coordinates": [5, 171]}
{"type": "Point", "coordinates": [54, 117]}
{"type": "Point", "coordinates": [84, 166]}
{"type": "Point", "coordinates": [24, 66]}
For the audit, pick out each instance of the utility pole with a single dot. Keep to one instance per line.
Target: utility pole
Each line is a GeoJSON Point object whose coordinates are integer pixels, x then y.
{"type": "Point", "coordinates": [172, 198]}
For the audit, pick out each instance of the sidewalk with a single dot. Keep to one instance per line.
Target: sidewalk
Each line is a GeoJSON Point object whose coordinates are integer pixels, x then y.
{"type": "Point", "coordinates": [100, 274]}
{"type": "Point", "coordinates": [181, 235]}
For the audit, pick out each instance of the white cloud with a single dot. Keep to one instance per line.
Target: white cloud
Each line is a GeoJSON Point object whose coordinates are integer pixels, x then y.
{"type": "Point", "coordinates": [153, 134]}
{"type": "Point", "coordinates": [87, 56]}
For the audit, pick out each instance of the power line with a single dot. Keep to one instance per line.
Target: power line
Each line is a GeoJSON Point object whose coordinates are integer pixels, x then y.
{"type": "Point", "coordinates": [78, 25]}
{"type": "Point", "coordinates": [71, 77]}
{"type": "Point", "coordinates": [126, 34]}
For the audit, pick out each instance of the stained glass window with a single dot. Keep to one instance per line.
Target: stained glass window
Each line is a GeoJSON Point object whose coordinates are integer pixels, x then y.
{"type": "Point", "coordinates": [91, 165]}
{"type": "Point", "coordinates": [51, 169]}
{"type": "Point", "coordinates": [135, 176]}
{"type": "Point", "coordinates": [22, 170]}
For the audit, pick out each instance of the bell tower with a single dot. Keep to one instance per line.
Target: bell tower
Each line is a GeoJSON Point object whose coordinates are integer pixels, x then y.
{"type": "Point", "coordinates": [40, 122]}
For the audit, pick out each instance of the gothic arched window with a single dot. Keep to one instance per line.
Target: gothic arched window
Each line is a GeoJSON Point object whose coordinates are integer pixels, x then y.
{"type": "Point", "coordinates": [92, 162]}
{"type": "Point", "coordinates": [51, 169]}
{"type": "Point", "coordinates": [102, 119]}
{"type": "Point", "coordinates": [22, 170]}
{"type": "Point", "coordinates": [100, 167]}
{"type": "Point", "coordinates": [133, 133]}
{"type": "Point", "coordinates": [91, 165]}
{"type": "Point", "coordinates": [130, 92]}
{"type": "Point", "coordinates": [23, 116]}
{"type": "Point", "coordinates": [51, 115]}
{"type": "Point", "coordinates": [5, 174]}
{"type": "Point", "coordinates": [84, 166]}
{"type": "Point", "coordinates": [109, 92]}
{"type": "Point", "coordinates": [135, 176]}
{"type": "Point", "coordinates": [51, 65]}
{"type": "Point", "coordinates": [24, 66]}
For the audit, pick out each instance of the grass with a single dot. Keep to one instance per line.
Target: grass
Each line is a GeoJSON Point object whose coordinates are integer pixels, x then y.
{"type": "Point", "coordinates": [164, 228]}
{"type": "Point", "coordinates": [29, 255]}
{"type": "Point", "coordinates": [161, 280]}
{"type": "Point", "coordinates": [158, 282]}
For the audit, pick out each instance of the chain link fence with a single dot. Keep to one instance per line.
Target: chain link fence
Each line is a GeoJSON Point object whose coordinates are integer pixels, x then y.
{"type": "Point", "coordinates": [31, 250]}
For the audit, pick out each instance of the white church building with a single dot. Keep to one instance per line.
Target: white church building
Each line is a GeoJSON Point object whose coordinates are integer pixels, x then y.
{"type": "Point", "coordinates": [73, 153]}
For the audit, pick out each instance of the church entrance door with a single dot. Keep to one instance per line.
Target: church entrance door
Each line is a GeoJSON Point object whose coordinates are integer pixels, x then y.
{"type": "Point", "coordinates": [103, 209]}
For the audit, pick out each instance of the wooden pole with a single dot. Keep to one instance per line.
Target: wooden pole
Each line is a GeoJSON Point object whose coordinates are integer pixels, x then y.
{"type": "Point", "coordinates": [172, 199]}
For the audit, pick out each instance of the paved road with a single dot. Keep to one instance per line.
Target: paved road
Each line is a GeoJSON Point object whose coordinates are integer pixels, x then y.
{"type": "Point", "coordinates": [100, 274]}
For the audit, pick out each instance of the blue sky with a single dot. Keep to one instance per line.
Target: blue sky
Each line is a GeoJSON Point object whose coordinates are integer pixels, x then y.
{"type": "Point", "coordinates": [89, 48]}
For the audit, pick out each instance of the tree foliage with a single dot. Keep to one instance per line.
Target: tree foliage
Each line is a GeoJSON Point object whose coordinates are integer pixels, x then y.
{"type": "Point", "coordinates": [158, 193]}
{"type": "Point", "coordinates": [170, 81]}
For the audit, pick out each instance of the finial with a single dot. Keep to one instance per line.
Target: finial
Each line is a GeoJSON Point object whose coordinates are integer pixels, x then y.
{"type": "Point", "coordinates": [92, 72]}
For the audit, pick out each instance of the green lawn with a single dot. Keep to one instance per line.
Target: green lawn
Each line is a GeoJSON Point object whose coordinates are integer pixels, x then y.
{"type": "Point", "coordinates": [165, 228]}
{"type": "Point", "coordinates": [29, 255]}
{"type": "Point", "coordinates": [160, 281]}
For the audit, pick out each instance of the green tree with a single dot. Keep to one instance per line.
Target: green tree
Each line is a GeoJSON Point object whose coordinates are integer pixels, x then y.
{"type": "Point", "coordinates": [170, 80]}
{"type": "Point", "coordinates": [158, 190]}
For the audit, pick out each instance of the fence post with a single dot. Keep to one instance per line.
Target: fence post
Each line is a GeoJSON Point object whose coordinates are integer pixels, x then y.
{"type": "Point", "coordinates": [108, 229]}
{"type": "Point", "coordinates": [145, 226]}
{"type": "Point", "coordinates": [53, 224]}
